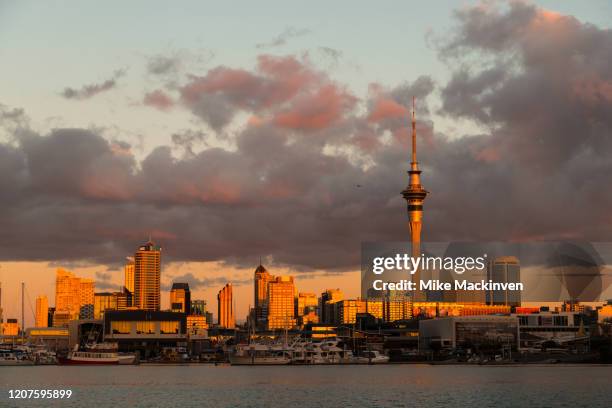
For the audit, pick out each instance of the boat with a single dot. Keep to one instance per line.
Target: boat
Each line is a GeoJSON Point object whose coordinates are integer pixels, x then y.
{"type": "Point", "coordinates": [371, 357]}
{"type": "Point", "coordinates": [328, 351]}
{"type": "Point", "coordinates": [14, 357]}
{"type": "Point", "coordinates": [260, 354]}
{"type": "Point", "coordinates": [98, 354]}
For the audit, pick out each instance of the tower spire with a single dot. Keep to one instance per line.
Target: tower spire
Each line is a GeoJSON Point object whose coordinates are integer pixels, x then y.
{"type": "Point", "coordinates": [414, 146]}
{"type": "Point", "coordinates": [415, 194]}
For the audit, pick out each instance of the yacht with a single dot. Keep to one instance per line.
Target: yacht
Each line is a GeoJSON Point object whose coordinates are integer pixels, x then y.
{"type": "Point", "coordinates": [371, 357]}
{"type": "Point", "coordinates": [328, 351]}
{"type": "Point", "coordinates": [260, 354]}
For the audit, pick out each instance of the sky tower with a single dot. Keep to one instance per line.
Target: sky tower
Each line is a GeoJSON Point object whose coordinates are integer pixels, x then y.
{"type": "Point", "coordinates": [415, 194]}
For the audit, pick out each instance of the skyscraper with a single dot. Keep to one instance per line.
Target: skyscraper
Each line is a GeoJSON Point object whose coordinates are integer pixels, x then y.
{"type": "Point", "coordinates": [225, 307]}
{"type": "Point", "coordinates": [42, 311]}
{"type": "Point", "coordinates": [74, 296]}
{"type": "Point", "coordinates": [180, 298]}
{"type": "Point", "coordinates": [129, 273]}
{"type": "Point", "coordinates": [147, 271]}
{"type": "Point", "coordinates": [415, 194]}
{"type": "Point", "coordinates": [281, 303]}
{"type": "Point", "coordinates": [504, 269]}
{"type": "Point", "coordinates": [261, 279]}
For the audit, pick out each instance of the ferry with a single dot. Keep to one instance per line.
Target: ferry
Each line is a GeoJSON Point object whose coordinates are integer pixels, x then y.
{"type": "Point", "coordinates": [98, 354]}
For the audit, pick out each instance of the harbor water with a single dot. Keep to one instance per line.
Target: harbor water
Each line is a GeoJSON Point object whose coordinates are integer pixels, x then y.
{"type": "Point", "coordinates": [309, 386]}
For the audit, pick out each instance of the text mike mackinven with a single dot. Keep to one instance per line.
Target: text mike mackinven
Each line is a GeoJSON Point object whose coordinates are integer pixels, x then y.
{"type": "Point", "coordinates": [458, 265]}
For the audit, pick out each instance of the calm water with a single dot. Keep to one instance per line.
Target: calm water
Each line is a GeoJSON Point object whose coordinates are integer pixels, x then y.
{"type": "Point", "coordinates": [310, 386]}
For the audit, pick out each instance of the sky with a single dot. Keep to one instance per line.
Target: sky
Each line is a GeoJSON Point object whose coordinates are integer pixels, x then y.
{"type": "Point", "coordinates": [231, 132]}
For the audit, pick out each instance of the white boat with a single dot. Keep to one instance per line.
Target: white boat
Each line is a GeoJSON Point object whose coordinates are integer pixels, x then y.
{"type": "Point", "coordinates": [260, 354]}
{"type": "Point", "coordinates": [15, 358]}
{"type": "Point", "coordinates": [328, 351]}
{"type": "Point", "coordinates": [98, 354]}
{"type": "Point", "coordinates": [371, 357]}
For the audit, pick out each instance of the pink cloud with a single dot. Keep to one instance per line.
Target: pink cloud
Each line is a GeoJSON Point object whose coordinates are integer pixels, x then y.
{"type": "Point", "coordinates": [316, 111]}
{"type": "Point", "coordinates": [385, 108]}
{"type": "Point", "coordinates": [158, 99]}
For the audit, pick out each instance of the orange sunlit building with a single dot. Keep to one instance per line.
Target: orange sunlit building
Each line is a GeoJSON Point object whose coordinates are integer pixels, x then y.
{"type": "Point", "coordinates": [74, 296]}
{"type": "Point", "coordinates": [225, 307]}
{"type": "Point", "coordinates": [281, 303]}
{"type": "Point", "coordinates": [147, 271]}
{"type": "Point", "coordinates": [42, 311]}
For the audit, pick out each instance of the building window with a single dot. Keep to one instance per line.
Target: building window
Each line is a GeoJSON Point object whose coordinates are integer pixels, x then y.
{"type": "Point", "coordinates": [169, 327]}
{"type": "Point", "coordinates": [145, 328]}
{"type": "Point", "coordinates": [121, 327]}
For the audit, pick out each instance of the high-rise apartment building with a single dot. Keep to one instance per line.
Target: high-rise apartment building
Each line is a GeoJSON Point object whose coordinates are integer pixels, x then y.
{"type": "Point", "coordinates": [225, 307]}
{"type": "Point", "coordinates": [42, 311]}
{"type": "Point", "coordinates": [180, 298]}
{"type": "Point", "coordinates": [261, 279]}
{"type": "Point", "coordinates": [147, 271]}
{"type": "Point", "coordinates": [74, 296]}
{"type": "Point", "coordinates": [281, 303]}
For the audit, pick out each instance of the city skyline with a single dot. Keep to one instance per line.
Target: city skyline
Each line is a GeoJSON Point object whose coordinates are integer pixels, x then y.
{"type": "Point", "coordinates": [240, 153]}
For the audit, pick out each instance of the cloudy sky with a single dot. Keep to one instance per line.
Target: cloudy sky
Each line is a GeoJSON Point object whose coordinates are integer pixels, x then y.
{"type": "Point", "coordinates": [232, 132]}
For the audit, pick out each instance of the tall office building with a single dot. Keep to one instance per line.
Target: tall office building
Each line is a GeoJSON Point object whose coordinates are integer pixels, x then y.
{"type": "Point", "coordinates": [198, 307]}
{"type": "Point", "coordinates": [504, 269]}
{"type": "Point", "coordinates": [225, 307]}
{"type": "Point", "coordinates": [180, 298]}
{"type": "Point", "coordinates": [328, 298]}
{"type": "Point", "coordinates": [147, 271]}
{"type": "Point", "coordinates": [129, 273]}
{"type": "Point", "coordinates": [50, 314]}
{"type": "Point", "coordinates": [74, 296]}
{"type": "Point", "coordinates": [415, 194]}
{"type": "Point", "coordinates": [261, 279]}
{"type": "Point", "coordinates": [281, 303]}
{"type": "Point", "coordinates": [42, 311]}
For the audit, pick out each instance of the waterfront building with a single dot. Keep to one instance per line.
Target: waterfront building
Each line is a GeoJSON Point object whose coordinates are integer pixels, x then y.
{"type": "Point", "coordinates": [42, 311]}
{"type": "Point", "coordinates": [147, 271]}
{"type": "Point", "coordinates": [415, 194]}
{"type": "Point", "coordinates": [180, 298]}
{"type": "Point", "coordinates": [225, 307]}
{"type": "Point", "coordinates": [328, 298]}
{"type": "Point", "coordinates": [144, 331]}
{"type": "Point", "coordinates": [53, 338]}
{"type": "Point", "coordinates": [505, 269]}
{"type": "Point", "coordinates": [74, 296]}
{"type": "Point", "coordinates": [565, 329]}
{"type": "Point", "coordinates": [281, 303]}
{"type": "Point", "coordinates": [129, 269]}
{"type": "Point", "coordinates": [469, 331]}
{"type": "Point", "coordinates": [10, 327]}
{"type": "Point", "coordinates": [261, 280]}
{"type": "Point", "coordinates": [196, 323]}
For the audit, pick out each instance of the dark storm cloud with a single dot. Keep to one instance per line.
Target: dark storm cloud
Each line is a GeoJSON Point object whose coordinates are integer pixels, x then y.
{"type": "Point", "coordinates": [91, 90]}
{"type": "Point", "coordinates": [307, 186]}
{"type": "Point", "coordinates": [196, 283]}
